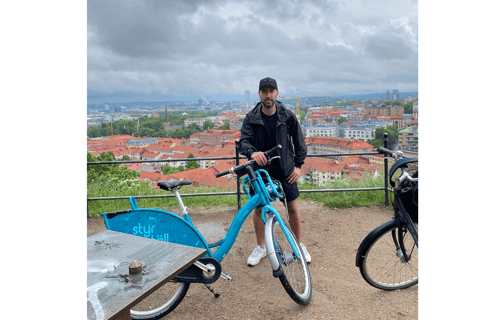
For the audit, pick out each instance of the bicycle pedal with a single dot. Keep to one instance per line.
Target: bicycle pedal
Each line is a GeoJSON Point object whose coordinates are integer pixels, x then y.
{"type": "Point", "coordinates": [226, 277]}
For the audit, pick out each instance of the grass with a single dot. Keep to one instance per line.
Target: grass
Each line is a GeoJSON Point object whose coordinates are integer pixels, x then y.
{"type": "Point", "coordinates": [346, 199]}
{"type": "Point", "coordinates": [112, 188]}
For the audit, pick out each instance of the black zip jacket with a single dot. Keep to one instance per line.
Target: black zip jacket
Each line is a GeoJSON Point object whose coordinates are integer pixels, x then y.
{"type": "Point", "coordinates": [289, 135]}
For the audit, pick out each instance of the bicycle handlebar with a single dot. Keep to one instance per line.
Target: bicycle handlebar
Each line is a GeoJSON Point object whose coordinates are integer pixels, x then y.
{"type": "Point", "coordinates": [267, 154]}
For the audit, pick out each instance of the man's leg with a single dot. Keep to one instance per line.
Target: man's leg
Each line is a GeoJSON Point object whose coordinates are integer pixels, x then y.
{"type": "Point", "coordinates": [259, 252]}
{"type": "Point", "coordinates": [294, 219]}
{"type": "Point", "coordinates": [259, 227]}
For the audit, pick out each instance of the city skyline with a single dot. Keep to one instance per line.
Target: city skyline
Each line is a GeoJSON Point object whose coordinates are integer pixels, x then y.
{"type": "Point", "coordinates": [149, 51]}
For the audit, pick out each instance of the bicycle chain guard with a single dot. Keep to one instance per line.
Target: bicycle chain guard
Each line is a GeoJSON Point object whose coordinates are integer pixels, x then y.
{"type": "Point", "coordinates": [194, 274]}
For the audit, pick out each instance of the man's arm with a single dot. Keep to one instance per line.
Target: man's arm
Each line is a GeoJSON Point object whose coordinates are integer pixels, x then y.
{"type": "Point", "coordinates": [245, 144]}
{"type": "Point", "coordinates": [299, 144]}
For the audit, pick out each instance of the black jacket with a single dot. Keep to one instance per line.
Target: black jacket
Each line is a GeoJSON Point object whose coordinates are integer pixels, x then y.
{"type": "Point", "coordinates": [289, 135]}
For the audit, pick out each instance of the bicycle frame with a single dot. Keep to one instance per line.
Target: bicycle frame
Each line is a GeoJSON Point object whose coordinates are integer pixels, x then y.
{"type": "Point", "coordinates": [166, 226]}
{"type": "Point", "coordinates": [260, 198]}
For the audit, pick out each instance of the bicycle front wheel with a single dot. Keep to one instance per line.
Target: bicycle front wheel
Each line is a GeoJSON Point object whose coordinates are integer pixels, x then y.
{"type": "Point", "coordinates": [295, 276]}
{"type": "Point", "coordinates": [161, 302]}
{"type": "Point", "coordinates": [382, 261]}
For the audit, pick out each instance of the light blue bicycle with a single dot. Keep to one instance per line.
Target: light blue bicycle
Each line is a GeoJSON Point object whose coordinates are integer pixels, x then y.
{"type": "Point", "coordinates": [283, 249]}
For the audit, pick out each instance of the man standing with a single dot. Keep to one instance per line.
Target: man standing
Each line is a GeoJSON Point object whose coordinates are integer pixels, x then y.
{"type": "Point", "coordinates": [267, 125]}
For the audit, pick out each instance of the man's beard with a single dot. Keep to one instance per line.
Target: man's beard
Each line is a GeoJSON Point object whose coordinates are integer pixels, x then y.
{"type": "Point", "coordinates": [264, 103]}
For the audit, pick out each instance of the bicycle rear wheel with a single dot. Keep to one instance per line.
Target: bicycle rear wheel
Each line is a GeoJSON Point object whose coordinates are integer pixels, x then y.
{"type": "Point", "coordinates": [381, 259]}
{"type": "Point", "coordinates": [161, 302]}
{"type": "Point", "coordinates": [295, 276]}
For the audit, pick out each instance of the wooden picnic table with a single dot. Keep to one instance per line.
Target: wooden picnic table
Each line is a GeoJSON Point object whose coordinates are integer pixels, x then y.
{"type": "Point", "coordinates": [109, 255]}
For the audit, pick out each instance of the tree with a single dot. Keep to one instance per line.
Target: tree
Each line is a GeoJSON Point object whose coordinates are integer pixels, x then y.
{"type": "Point", "coordinates": [392, 136]}
{"type": "Point", "coordinates": [342, 120]}
{"type": "Point", "coordinates": [192, 164]}
{"type": "Point", "coordinates": [108, 171]}
{"type": "Point", "coordinates": [207, 125]}
{"type": "Point", "coordinates": [225, 126]}
{"type": "Point", "coordinates": [166, 169]}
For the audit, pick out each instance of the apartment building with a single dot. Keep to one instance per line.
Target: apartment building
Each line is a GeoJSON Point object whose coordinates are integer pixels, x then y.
{"type": "Point", "coordinates": [360, 131]}
{"type": "Point", "coordinates": [141, 143]}
{"type": "Point", "coordinates": [198, 121]}
{"type": "Point", "coordinates": [321, 130]}
{"type": "Point", "coordinates": [325, 170]}
{"type": "Point", "coordinates": [408, 138]}
{"type": "Point", "coordinates": [321, 118]}
{"type": "Point", "coordinates": [384, 110]}
{"type": "Point", "coordinates": [215, 137]}
{"type": "Point", "coordinates": [336, 145]}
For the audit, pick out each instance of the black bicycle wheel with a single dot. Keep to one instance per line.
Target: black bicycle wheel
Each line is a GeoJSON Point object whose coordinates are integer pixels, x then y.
{"type": "Point", "coordinates": [381, 260]}
{"type": "Point", "coordinates": [161, 302]}
{"type": "Point", "coordinates": [295, 276]}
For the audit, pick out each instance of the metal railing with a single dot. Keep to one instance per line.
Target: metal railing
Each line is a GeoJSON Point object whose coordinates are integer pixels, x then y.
{"type": "Point", "coordinates": [237, 162]}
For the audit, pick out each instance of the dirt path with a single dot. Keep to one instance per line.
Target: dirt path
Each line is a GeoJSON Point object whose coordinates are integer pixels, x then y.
{"type": "Point", "coordinates": [339, 291]}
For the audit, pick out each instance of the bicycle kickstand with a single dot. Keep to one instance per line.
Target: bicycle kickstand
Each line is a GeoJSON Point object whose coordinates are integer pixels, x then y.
{"type": "Point", "coordinates": [212, 291]}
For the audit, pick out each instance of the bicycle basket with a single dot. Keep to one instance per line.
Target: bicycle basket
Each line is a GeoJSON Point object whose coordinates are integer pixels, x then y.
{"type": "Point", "coordinates": [275, 185]}
{"type": "Point", "coordinates": [409, 196]}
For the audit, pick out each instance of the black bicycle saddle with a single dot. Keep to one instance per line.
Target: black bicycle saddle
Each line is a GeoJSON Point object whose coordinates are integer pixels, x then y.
{"type": "Point", "coordinates": [170, 185]}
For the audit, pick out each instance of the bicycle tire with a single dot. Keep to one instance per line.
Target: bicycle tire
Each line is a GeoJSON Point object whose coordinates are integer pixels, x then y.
{"type": "Point", "coordinates": [381, 261]}
{"type": "Point", "coordinates": [170, 295]}
{"type": "Point", "coordinates": [295, 275]}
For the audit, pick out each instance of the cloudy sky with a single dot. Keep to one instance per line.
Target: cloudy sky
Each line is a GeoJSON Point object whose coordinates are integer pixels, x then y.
{"type": "Point", "coordinates": [141, 50]}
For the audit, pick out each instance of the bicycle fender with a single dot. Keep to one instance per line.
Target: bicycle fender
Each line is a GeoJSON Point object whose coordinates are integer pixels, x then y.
{"type": "Point", "coordinates": [270, 246]}
{"type": "Point", "coordinates": [195, 275]}
{"type": "Point", "coordinates": [369, 238]}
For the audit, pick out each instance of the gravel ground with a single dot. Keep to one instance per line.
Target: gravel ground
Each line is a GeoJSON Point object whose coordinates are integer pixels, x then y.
{"type": "Point", "coordinates": [339, 291]}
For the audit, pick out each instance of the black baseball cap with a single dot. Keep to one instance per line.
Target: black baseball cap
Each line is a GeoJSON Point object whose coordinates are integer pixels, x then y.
{"type": "Point", "coordinates": [267, 82]}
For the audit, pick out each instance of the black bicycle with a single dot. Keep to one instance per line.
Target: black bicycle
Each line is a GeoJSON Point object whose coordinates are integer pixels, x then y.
{"type": "Point", "coordinates": [388, 256]}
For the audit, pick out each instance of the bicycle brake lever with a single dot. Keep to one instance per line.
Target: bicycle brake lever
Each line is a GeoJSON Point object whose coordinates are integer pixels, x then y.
{"type": "Point", "coordinates": [270, 160]}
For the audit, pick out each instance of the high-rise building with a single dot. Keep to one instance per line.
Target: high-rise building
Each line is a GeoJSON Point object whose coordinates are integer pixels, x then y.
{"type": "Point", "coordinates": [395, 94]}
{"type": "Point", "coordinates": [247, 98]}
{"type": "Point", "coordinates": [388, 96]}
{"type": "Point", "coordinates": [200, 102]}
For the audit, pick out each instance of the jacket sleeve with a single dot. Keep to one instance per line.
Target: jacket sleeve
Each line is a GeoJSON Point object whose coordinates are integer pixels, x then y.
{"type": "Point", "coordinates": [299, 144]}
{"type": "Point", "coordinates": [246, 142]}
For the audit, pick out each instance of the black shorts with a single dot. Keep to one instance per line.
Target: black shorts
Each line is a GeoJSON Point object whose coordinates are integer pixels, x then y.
{"type": "Point", "coordinates": [290, 190]}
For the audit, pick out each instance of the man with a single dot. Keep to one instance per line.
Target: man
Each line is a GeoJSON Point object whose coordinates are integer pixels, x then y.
{"type": "Point", "coordinates": [267, 125]}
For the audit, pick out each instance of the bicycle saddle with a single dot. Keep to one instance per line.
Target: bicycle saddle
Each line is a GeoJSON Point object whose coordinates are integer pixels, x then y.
{"type": "Point", "coordinates": [170, 185]}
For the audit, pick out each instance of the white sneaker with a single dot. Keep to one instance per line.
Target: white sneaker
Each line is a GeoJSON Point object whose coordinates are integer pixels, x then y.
{"type": "Point", "coordinates": [308, 259]}
{"type": "Point", "coordinates": [257, 255]}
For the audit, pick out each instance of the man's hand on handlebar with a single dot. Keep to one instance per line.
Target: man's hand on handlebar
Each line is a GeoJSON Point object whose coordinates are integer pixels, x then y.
{"type": "Point", "coordinates": [259, 158]}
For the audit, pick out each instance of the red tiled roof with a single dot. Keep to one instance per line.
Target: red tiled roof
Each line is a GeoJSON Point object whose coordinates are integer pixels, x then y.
{"type": "Point", "coordinates": [327, 165]}
{"type": "Point", "coordinates": [150, 154]}
{"type": "Point", "coordinates": [335, 141]}
{"type": "Point", "coordinates": [151, 176]}
{"type": "Point", "coordinates": [134, 166]}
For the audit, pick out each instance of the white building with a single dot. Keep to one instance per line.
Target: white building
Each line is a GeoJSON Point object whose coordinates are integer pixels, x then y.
{"type": "Point", "coordinates": [198, 121]}
{"type": "Point", "coordinates": [324, 131]}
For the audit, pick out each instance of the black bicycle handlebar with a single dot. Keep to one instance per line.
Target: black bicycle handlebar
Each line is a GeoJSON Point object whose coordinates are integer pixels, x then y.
{"type": "Point", "coordinates": [222, 173]}
{"type": "Point", "coordinates": [383, 150]}
{"type": "Point", "coordinates": [267, 154]}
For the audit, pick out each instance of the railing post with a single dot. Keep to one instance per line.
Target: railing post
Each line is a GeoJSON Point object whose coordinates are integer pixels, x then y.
{"type": "Point", "coordinates": [237, 162]}
{"type": "Point", "coordinates": [385, 165]}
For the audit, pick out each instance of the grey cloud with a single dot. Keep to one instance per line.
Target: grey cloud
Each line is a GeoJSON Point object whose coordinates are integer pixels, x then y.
{"type": "Point", "coordinates": [174, 47]}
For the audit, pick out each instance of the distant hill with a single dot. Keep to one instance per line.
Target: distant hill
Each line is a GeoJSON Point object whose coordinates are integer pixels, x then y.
{"type": "Point", "coordinates": [325, 99]}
